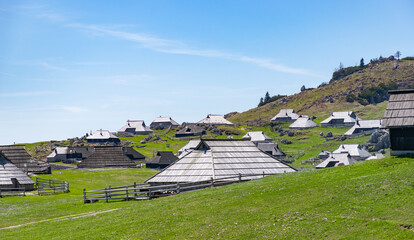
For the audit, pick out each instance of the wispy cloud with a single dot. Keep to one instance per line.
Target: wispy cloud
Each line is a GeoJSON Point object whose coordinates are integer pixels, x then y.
{"type": "Point", "coordinates": [177, 47]}
{"type": "Point", "coordinates": [41, 12]}
{"type": "Point", "coordinates": [73, 109]}
{"type": "Point", "coordinates": [51, 67]}
{"type": "Point", "coordinates": [27, 94]}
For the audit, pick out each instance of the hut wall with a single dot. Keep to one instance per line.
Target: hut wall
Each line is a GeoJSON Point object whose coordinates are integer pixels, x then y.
{"type": "Point", "coordinates": [402, 140]}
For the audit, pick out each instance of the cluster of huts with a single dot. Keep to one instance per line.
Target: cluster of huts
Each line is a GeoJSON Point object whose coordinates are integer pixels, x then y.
{"type": "Point", "coordinates": [254, 155]}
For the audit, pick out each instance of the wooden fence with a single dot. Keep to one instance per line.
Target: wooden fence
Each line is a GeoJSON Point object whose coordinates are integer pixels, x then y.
{"type": "Point", "coordinates": [20, 191]}
{"type": "Point", "coordinates": [48, 186]}
{"type": "Point", "coordinates": [146, 191]}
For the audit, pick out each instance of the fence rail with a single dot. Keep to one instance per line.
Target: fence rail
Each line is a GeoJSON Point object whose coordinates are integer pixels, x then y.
{"type": "Point", "coordinates": [146, 191]}
{"type": "Point", "coordinates": [19, 191]}
{"type": "Point", "coordinates": [48, 186]}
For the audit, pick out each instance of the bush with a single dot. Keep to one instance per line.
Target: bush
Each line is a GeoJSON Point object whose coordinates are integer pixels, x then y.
{"type": "Point", "coordinates": [376, 94]}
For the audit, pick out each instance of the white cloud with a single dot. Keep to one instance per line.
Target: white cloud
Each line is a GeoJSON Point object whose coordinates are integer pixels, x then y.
{"type": "Point", "coordinates": [27, 94]}
{"type": "Point", "coordinates": [51, 67]}
{"type": "Point", "coordinates": [176, 47]}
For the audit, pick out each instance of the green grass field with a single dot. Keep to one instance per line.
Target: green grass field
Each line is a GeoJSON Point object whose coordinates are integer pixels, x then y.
{"type": "Point", "coordinates": [367, 200]}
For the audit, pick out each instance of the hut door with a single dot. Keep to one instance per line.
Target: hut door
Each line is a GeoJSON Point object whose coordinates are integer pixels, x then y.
{"type": "Point", "coordinates": [15, 183]}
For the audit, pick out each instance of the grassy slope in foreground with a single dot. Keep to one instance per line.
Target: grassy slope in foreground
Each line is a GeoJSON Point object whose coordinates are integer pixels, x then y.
{"type": "Point", "coordinates": [368, 200]}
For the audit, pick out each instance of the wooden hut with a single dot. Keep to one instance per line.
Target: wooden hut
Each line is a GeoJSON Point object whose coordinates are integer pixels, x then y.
{"type": "Point", "coordinates": [135, 127]}
{"type": "Point", "coordinates": [399, 119]}
{"type": "Point", "coordinates": [18, 155]}
{"type": "Point", "coordinates": [162, 160]}
{"type": "Point", "coordinates": [108, 156]}
{"type": "Point", "coordinates": [215, 159]}
{"type": "Point", "coordinates": [340, 119]}
{"type": "Point", "coordinates": [354, 150]}
{"type": "Point", "coordinates": [271, 149]}
{"type": "Point", "coordinates": [11, 177]}
{"type": "Point", "coordinates": [285, 115]}
{"type": "Point", "coordinates": [103, 137]}
{"type": "Point", "coordinates": [190, 130]}
{"type": "Point", "coordinates": [215, 119]}
{"type": "Point", "coordinates": [257, 137]}
{"type": "Point", "coordinates": [362, 127]}
{"type": "Point", "coordinates": [337, 159]}
{"type": "Point", "coordinates": [163, 123]}
{"type": "Point", "coordinates": [303, 122]}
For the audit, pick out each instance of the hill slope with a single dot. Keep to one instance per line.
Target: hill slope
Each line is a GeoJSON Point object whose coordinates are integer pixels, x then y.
{"type": "Point", "coordinates": [367, 200]}
{"type": "Point", "coordinates": [316, 101]}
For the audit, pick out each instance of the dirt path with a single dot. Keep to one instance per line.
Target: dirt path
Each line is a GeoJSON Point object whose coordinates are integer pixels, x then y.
{"type": "Point", "coordinates": [68, 217]}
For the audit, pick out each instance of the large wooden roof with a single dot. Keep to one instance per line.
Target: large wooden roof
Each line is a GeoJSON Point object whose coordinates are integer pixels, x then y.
{"type": "Point", "coordinates": [18, 155]}
{"type": "Point", "coordinates": [8, 171]}
{"type": "Point", "coordinates": [107, 156]}
{"type": "Point", "coordinates": [218, 159]}
{"type": "Point", "coordinates": [400, 109]}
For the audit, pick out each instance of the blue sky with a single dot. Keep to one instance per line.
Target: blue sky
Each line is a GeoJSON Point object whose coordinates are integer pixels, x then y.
{"type": "Point", "coordinates": [69, 67]}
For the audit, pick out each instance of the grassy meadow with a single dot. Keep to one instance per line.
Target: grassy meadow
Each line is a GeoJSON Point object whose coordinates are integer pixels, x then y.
{"type": "Point", "coordinates": [367, 200]}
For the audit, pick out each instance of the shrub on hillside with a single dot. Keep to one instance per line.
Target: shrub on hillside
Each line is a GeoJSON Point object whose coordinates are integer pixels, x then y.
{"type": "Point", "coordinates": [376, 94]}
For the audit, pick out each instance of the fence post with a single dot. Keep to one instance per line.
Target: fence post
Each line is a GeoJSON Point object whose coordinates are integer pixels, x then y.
{"type": "Point", "coordinates": [178, 188]}
{"type": "Point", "coordinates": [106, 195]}
{"type": "Point", "coordinates": [149, 193]}
{"type": "Point", "coordinates": [84, 195]}
{"type": "Point", "coordinates": [212, 183]}
{"type": "Point", "coordinates": [263, 174]}
{"type": "Point", "coordinates": [127, 196]}
{"type": "Point", "coordinates": [135, 189]}
{"type": "Point", "coordinates": [0, 193]}
{"type": "Point", "coordinates": [239, 177]}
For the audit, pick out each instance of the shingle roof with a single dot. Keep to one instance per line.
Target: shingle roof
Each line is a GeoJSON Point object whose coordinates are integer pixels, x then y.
{"type": "Point", "coordinates": [348, 117]}
{"type": "Point", "coordinates": [271, 147]}
{"type": "Point", "coordinates": [400, 109]}
{"type": "Point", "coordinates": [18, 155]}
{"type": "Point", "coordinates": [215, 119]}
{"type": "Point", "coordinates": [336, 159]}
{"type": "Point", "coordinates": [8, 171]}
{"type": "Point", "coordinates": [364, 124]}
{"type": "Point", "coordinates": [191, 145]}
{"type": "Point", "coordinates": [107, 157]}
{"type": "Point", "coordinates": [285, 113]}
{"type": "Point", "coordinates": [163, 157]}
{"type": "Point", "coordinates": [303, 122]}
{"type": "Point", "coordinates": [137, 126]}
{"type": "Point", "coordinates": [190, 129]}
{"type": "Point", "coordinates": [218, 159]}
{"type": "Point", "coordinates": [257, 136]}
{"type": "Point", "coordinates": [165, 120]}
{"type": "Point", "coordinates": [101, 134]}
{"type": "Point", "coordinates": [354, 150]}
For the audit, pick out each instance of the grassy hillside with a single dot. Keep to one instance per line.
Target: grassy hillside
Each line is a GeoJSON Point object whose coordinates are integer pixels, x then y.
{"type": "Point", "coordinates": [368, 200]}
{"type": "Point", "coordinates": [316, 102]}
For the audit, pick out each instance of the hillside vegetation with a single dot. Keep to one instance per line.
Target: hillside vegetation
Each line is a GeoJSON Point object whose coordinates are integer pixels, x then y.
{"type": "Point", "coordinates": [333, 96]}
{"type": "Point", "coordinates": [367, 200]}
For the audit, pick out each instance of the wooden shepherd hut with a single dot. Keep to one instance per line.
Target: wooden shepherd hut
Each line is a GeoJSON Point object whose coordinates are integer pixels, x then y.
{"type": "Point", "coordinates": [362, 127]}
{"type": "Point", "coordinates": [215, 159]}
{"type": "Point", "coordinates": [337, 159]}
{"type": "Point", "coordinates": [257, 137]}
{"type": "Point", "coordinates": [11, 177]}
{"type": "Point", "coordinates": [340, 119]}
{"type": "Point", "coordinates": [163, 123]}
{"type": "Point", "coordinates": [190, 130]}
{"type": "Point", "coordinates": [215, 119]}
{"type": "Point", "coordinates": [103, 137]}
{"type": "Point", "coordinates": [107, 156]}
{"type": "Point", "coordinates": [303, 122]}
{"type": "Point", "coordinates": [18, 155]}
{"type": "Point", "coordinates": [135, 127]}
{"type": "Point", "coordinates": [399, 119]}
{"type": "Point", "coordinates": [285, 115]}
{"type": "Point", "coordinates": [162, 160]}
